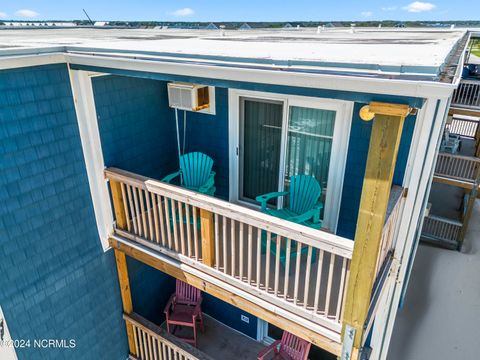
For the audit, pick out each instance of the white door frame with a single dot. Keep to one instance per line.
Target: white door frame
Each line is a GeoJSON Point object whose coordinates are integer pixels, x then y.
{"type": "Point", "coordinates": [341, 135]}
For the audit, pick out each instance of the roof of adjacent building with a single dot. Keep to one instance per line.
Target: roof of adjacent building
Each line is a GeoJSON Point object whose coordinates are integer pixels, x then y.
{"type": "Point", "coordinates": [374, 52]}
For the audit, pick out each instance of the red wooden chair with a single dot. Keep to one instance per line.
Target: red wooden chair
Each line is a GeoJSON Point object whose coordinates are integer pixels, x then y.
{"type": "Point", "coordinates": [289, 348]}
{"type": "Point", "coordinates": [184, 309]}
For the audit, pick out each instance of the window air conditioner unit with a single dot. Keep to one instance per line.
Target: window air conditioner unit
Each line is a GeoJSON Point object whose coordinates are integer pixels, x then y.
{"type": "Point", "coordinates": [185, 96]}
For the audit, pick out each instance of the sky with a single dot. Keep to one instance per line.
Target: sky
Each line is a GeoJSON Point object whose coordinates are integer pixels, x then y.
{"type": "Point", "coordinates": [244, 10]}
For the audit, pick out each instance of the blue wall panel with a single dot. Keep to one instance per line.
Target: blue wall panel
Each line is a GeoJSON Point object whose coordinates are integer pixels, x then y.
{"type": "Point", "coordinates": [55, 280]}
{"type": "Point", "coordinates": [355, 168]}
{"type": "Point", "coordinates": [209, 134]}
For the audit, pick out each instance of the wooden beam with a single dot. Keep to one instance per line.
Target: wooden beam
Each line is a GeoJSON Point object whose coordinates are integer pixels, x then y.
{"type": "Point", "coordinates": [463, 111]}
{"type": "Point", "coordinates": [118, 205]}
{"type": "Point", "coordinates": [125, 295]}
{"type": "Point", "coordinates": [229, 297]}
{"type": "Point", "coordinates": [380, 108]}
{"type": "Point", "coordinates": [382, 155]}
{"type": "Point", "coordinates": [208, 239]}
{"type": "Point", "coordinates": [453, 182]}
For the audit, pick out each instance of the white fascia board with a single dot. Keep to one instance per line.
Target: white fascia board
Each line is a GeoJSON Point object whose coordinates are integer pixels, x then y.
{"type": "Point", "coordinates": [411, 88]}
{"type": "Point", "coordinates": [420, 89]}
{"type": "Point", "coordinates": [14, 62]}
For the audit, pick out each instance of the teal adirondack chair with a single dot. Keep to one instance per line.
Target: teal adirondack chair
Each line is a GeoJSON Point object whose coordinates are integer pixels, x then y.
{"type": "Point", "coordinates": [196, 173]}
{"type": "Point", "coordinates": [304, 208]}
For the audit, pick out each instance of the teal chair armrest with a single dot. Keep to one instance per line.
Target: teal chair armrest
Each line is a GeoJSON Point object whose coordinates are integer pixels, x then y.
{"type": "Point", "coordinates": [318, 208]}
{"type": "Point", "coordinates": [209, 184]}
{"type": "Point", "coordinates": [170, 177]}
{"type": "Point", "coordinates": [263, 199]}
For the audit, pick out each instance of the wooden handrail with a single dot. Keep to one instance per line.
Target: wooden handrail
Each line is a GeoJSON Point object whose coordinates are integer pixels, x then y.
{"type": "Point", "coordinates": [164, 339]}
{"type": "Point", "coordinates": [317, 238]}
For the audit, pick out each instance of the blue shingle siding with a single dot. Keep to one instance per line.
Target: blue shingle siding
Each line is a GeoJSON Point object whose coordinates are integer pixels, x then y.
{"type": "Point", "coordinates": [137, 132]}
{"type": "Point", "coordinates": [137, 128]}
{"type": "Point", "coordinates": [55, 281]}
{"type": "Point", "coordinates": [355, 168]}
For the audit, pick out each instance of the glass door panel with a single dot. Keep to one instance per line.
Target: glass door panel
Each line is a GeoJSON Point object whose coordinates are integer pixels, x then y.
{"type": "Point", "coordinates": [309, 144]}
{"type": "Point", "coordinates": [260, 147]}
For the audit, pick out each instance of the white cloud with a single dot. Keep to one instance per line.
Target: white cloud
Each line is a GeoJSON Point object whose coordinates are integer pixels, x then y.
{"type": "Point", "coordinates": [183, 12]}
{"type": "Point", "coordinates": [366, 13]}
{"type": "Point", "coordinates": [389, 8]}
{"type": "Point", "coordinates": [3, 15]}
{"type": "Point", "coordinates": [418, 6]}
{"type": "Point", "coordinates": [26, 13]}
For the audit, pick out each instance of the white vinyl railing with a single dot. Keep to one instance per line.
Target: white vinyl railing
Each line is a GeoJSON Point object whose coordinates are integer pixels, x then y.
{"type": "Point", "coordinates": [292, 266]}
{"type": "Point", "coordinates": [467, 94]}
{"type": "Point", "coordinates": [154, 343]}
{"type": "Point", "coordinates": [440, 228]}
{"type": "Point", "coordinates": [464, 127]}
{"type": "Point", "coordinates": [390, 227]}
{"type": "Point", "coordinates": [457, 166]}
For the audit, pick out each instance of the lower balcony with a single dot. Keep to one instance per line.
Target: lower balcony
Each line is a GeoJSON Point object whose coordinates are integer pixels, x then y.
{"type": "Point", "coordinates": [291, 276]}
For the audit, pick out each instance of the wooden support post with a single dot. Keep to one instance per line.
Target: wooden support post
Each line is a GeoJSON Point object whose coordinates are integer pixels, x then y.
{"type": "Point", "coordinates": [118, 205]}
{"type": "Point", "coordinates": [208, 240]}
{"type": "Point", "coordinates": [382, 155]}
{"type": "Point", "coordinates": [126, 295]}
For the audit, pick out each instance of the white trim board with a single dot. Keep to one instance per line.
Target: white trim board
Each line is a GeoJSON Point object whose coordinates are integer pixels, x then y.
{"type": "Point", "coordinates": [343, 120]}
{"type": "Point", "coordinates": [84, 101]}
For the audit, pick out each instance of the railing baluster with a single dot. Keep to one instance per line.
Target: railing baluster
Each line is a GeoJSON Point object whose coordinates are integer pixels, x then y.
{"type": "Point", "coordinates": [132, 209]}
{"type": "Point", "coordinates": [155, 217]}
{"type": "Point", "coordinates": [195, 233]}
{"type": "Point", "coordinates": [149, 215]}
{"type": "Point", "coordinates": [341, 289]}
{"type": "Point", "coordinates": [224, 241]}
{"type": "Point", "coordinates": [329, 284]}
{"type": "Point", "coordinates": [174, 224]}
{"type": "Point", "coordinates": [217, 242]}
{"type": "Point", "coordinates": [287, 267]}
{"type": "Point", "coordinates": [297, 273]}
{"type": "Point", "coordinates": [188, 224]}
{"type": "Point", "coordinates": [318, 282]}
{"type": "Point", "coordinates": [259, 256]}
{"type": "Point", "coordinates": [233, 245]}
{"type": "Point", "coordinates": [249, 255]}
{"type": "Point", "coordinates": [278, 250]}
{"type": "Point", "coordinates": [181, 225]}
{"type": "Point", "coordinates": [241, 257]}
{"type": "Point", "coordinates": [143, 213]}
{"type": "Point", "coordinates": [307, 277]}
{"type": "Point", "coordinates": [267, 261]}
{"type": "Point", "coordinates": [168, 220]}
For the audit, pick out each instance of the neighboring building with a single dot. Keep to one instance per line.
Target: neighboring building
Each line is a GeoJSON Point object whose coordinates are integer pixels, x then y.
{"type": "Point", "coordinates": [456, 178]}
{"type": "Point", "coordinates": [39, 23]}
{"type": "Point", "coordinates": [87, 135]}
{"type": "Point", "coordinates": [100, 23]}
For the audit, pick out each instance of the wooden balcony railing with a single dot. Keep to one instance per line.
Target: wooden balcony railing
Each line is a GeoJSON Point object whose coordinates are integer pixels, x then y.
{"type": "Point", "coordinates": [467, 94]}
{"type": "Point", "coordinates": [154, 343]}
{"type": "Point", "coordinates": [299, 269]}
{"type": "Point", "coordinates": [458, 167]}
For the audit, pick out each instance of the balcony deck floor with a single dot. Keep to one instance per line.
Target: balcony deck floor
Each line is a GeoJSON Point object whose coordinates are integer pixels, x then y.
{"type": "Point", "coordinates": [222, 342]}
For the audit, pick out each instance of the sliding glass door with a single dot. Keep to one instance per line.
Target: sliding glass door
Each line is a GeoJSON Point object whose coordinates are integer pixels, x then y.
{"type": "Point", "coordinates": [281, 136]}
